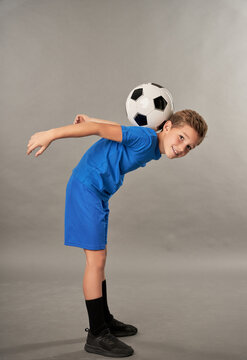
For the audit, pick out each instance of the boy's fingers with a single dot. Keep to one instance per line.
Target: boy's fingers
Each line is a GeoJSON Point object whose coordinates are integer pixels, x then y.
{"type": "Point", "coordinates": [31, 148]}
{"type": "Point", "coordinates": [29, 151]}
{"type": "Point", "coordinates": [40, 151]}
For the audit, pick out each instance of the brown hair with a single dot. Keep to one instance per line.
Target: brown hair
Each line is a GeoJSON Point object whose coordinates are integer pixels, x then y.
{"type": "Point", "coordinates": [191, 118]}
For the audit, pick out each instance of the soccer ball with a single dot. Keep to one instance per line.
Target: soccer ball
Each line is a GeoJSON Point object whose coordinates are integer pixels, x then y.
{"type": "Point", "coordinates": [149, 105]}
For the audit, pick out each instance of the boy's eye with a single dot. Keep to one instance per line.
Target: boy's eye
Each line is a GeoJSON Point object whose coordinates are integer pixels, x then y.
{"type": "Point", "coordinates": [182, 138]}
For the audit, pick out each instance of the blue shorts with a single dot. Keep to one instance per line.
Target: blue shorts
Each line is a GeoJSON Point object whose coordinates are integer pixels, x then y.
{"type": "Point", "coordinates": [85, 218]}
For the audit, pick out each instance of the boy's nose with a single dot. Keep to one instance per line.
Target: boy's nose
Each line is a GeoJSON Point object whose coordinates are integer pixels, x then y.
{"type": "Point", "coordinates": [182, 149]}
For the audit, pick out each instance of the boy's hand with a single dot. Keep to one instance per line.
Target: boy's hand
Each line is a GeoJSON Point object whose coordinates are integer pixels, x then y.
{"type": "Point", "coordinates": [43, 139]}
{"type": "Point", "coordinates": [80, 118]}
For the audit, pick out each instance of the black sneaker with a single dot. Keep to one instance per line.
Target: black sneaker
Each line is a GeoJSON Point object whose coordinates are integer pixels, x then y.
{"type": "Point", "coordinates": [118, 328]}
{"type": "Point", "coordinates": [106, 344]}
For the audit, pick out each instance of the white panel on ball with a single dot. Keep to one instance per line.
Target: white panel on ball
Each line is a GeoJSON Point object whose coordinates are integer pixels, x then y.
{"type": "Point", "coordinates": [149, 105]}
{"type": "Point", "coordinates": [131, 108]}
{"type": "Point", "coordinates": [145, 105]}
{"type": "Point", "coordinates": [151, 91]}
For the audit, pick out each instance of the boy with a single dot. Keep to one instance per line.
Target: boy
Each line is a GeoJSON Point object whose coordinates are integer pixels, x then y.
{"type": "Point", "coordinates": [97, 176]}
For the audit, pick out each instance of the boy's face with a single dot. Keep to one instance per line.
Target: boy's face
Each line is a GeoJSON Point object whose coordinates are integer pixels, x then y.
{"type": "Point", "coordinates": [177, 142]}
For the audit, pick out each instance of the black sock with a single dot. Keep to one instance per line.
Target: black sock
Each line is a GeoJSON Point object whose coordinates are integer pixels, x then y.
{"type": "Point", "coordinates": [108, 315]}
{"type": "Point", "coordinates": [95, 308]}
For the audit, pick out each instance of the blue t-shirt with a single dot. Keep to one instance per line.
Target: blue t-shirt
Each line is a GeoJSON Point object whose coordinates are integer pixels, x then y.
{"type": "Point", "coordinates": [104, 164]}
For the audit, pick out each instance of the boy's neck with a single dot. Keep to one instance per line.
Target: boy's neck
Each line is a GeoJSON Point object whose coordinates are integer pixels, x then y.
{"type": "Point", "coordinates": [160, 137]}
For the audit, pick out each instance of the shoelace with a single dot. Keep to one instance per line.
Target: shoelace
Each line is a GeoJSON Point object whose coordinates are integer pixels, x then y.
{"type": "Point", "coordinates": [117, 322]}
{"type": "Point", "coordinates": [108, 337]}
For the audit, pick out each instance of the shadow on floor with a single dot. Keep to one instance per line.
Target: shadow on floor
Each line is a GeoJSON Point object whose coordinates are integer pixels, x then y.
{"type": "Point", "coordinates": [37, 346]}
{"type": "Point", "coordinates": [145, 351]}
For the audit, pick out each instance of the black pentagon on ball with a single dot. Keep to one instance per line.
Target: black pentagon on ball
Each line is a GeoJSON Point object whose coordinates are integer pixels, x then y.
{"type": "Point", "coordinates": [159, 86]}
{"type": "Point", "coordinates": [136, 94]}
{"type": "Point", "coordinates": [140, 119]}
{"type": "Point", "coordinates": [160, 103]}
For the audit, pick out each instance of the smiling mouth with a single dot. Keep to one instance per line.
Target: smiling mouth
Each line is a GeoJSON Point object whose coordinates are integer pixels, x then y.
{"type": "Point", "coordinates": [174, 151]}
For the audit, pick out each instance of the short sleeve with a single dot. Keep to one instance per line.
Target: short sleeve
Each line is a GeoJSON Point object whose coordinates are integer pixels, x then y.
{"type": "Point", "coordinates": [136, 137]}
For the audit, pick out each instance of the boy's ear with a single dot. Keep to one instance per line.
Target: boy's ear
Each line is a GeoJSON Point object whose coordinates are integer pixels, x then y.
{"type": "Point", "coordinates": [168, 125]}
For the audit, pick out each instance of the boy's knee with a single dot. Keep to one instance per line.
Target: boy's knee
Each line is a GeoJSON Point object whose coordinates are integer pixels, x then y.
{"type": "Point", "coordinates": [96, 258]}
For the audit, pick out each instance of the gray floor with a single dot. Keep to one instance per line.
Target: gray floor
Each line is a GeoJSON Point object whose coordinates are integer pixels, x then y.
{"type": "Point", "coordinates": [186, 308]}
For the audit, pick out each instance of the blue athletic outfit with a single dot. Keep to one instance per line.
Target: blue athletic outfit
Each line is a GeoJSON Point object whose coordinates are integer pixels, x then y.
{"type": "Point", "coordinates": [98, 175]}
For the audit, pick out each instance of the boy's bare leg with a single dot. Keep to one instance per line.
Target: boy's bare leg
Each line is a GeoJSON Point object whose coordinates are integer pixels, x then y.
{"type": "Point", "coordinates": [94, 273]}
{"type": "Point", "coordinates": [103, 278]}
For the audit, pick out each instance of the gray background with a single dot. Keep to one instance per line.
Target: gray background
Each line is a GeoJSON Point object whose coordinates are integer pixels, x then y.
{"type": "Point", "coordinates": [176, 264]}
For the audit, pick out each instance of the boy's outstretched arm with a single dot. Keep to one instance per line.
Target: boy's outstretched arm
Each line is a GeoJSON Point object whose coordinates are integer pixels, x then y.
{"type": "Point", "coordinates": [104, 130]}
{"type": "Point", "coordinates": [43, 139]}
{"type": "Point", "coordinates": [84, 118]}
